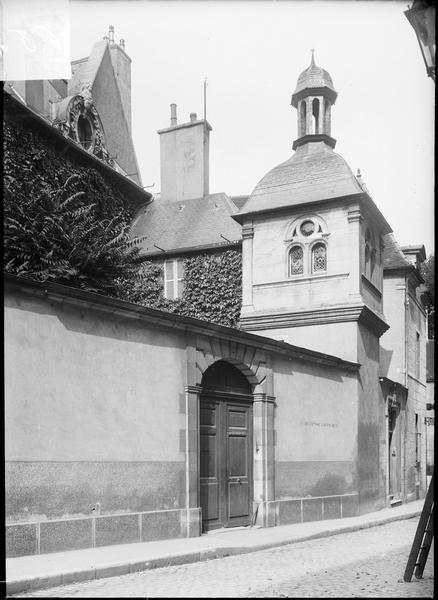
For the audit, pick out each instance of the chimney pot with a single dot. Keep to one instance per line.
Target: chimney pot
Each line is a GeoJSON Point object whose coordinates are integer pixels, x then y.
{"type": "Point", "coordinates": [173, 115]}
{"type": "Point", "coordinates": [193, 117]}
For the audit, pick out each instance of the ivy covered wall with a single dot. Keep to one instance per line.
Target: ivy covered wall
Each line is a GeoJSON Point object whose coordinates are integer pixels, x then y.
{"type": "Point", "coordinates": [36, 167]}
{"type": "Point", "coordinates": [212, 287]}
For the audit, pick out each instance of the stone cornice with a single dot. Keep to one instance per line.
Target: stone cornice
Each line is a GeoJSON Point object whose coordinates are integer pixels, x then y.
{"type": "Point", "coordinates": [372, 321]}
{"type": "Point", "coordinates": [260, 397]}
{"type": "Point", "coordinates": [314, 137]}
{"type": "Point", "coordinates": [297, 279]}
{"type": "Point", "coordinates": [314, 205]}
{"type": "Point", "coordinates": [193, 389]}
{"type": "Point", "coordinates": [313, 92]}
{"type": "Point", "coordinates": [247, 231]}
{"type": "Point", "coordinates": [320, 316]}
{"type": "Point", "coordinates": [354, 215]}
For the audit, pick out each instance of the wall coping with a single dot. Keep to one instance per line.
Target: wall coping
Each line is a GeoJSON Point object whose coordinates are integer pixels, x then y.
{"type": "Point", "coordinates": [91, 300]}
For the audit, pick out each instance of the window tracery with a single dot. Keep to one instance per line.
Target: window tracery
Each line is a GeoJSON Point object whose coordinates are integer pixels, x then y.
{"type": "Point", "coordinates": [296, 260]}
{"type": "Point", "coordinates": [319, 257]}
{"type": "Point", "coordinates": [308, 251]}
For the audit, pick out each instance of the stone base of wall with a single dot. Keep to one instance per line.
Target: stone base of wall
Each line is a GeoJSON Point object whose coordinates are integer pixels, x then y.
{"type": "Point", "coordinates": [302, 510]}
{"type": "Point", "coordinates": [43, 537]}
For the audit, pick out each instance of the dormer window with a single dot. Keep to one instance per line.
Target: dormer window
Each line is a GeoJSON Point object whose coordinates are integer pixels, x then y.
{"type": "Point", "coordinates": [307, 252]}
{"type": "Point", "coordinates": [84, 132]}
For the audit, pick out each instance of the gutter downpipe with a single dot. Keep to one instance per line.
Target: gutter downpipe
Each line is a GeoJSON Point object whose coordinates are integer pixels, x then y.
{"type": "Point", "coordinates": [406, 307]}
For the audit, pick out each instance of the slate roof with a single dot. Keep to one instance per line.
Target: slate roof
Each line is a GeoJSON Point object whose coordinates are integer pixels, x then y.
{"type": "Point", "coordinates": [186, 225]}
{"type": "Point", "coordinates": [85, 69]}
{"type": "Point", "coordinates": [239, 201]}
{"type": "Point", "coordinates": [393, 257]}
{"type": "Point", "coordinates": [97, 69]}
{"type": "Point", "coordinates": [314, 173]}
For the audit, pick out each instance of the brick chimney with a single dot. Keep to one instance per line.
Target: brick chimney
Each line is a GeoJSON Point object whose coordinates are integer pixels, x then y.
{"type": "Point", "coordinates": [184, 155]}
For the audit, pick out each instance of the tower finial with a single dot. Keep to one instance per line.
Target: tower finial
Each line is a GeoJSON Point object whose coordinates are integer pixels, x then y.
{"type": "Point", "coordinates": [312, 63]}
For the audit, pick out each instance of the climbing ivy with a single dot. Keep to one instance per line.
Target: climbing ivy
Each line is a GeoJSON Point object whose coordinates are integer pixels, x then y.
{"type": "Point", "coordinates": [212, 288]}
{"type": "Point", "coordinates": [63, 222]}
{"type": "Point", "coordinates": [36, 175]}
{"type": "Point", "coordinates": [33, 166]}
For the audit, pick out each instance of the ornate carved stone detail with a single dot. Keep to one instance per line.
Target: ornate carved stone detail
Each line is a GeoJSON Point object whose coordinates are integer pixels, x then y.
{"type": "Point", "coordinates": [77, 118]}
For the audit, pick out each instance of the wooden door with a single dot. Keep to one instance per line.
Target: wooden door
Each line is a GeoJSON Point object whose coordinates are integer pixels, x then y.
{"type": "Point", "coordinates": [225, 462]}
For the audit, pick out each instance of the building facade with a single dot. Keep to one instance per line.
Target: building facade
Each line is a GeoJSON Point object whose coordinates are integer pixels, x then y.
{"type": "Point", "coordinates": [125, 423]}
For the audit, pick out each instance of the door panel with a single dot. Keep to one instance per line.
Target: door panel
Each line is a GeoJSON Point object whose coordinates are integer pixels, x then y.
{"type": "Point", "coordinates": [238, 507]}
{"type": "Point", "coordinates": [225, 462]}
{"type": "Point", "coordinates": [209, 461]}
{"type": "Point", "coordinates": [239, 446]}
{"type": "Point", "coordinates": [238, 456]}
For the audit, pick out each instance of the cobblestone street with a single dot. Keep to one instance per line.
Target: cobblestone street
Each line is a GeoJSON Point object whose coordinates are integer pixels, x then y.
{"type": "Point", "coordinates": [367, 563]}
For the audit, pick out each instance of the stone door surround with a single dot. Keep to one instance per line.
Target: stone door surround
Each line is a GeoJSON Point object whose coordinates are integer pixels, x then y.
{"type": "Point", "coordinates": [255, 364]}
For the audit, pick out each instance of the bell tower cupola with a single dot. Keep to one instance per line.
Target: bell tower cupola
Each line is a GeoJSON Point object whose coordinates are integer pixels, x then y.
{"type": "Point", "coordinates": [313, 99]}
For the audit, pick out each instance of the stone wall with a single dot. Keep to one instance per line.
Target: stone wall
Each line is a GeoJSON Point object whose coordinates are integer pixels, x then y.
{"type": "Point", "coordinates": [101, 405]}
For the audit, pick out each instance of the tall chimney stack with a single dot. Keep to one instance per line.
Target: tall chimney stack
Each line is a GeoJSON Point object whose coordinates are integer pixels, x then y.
{"type": "Point", "coordinates": [122, 69]}
{"type": "Point", "coordinates": [184, 155]}
{"type": "Point", "coordinates": [173, 115]}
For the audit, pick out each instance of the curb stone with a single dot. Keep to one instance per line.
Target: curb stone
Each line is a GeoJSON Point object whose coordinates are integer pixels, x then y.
{"type": "Point", "coordinates": [114, 570]}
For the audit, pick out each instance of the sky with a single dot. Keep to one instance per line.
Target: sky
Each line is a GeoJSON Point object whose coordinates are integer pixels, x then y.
{"type": "Point", "coordinates": [251, 53]}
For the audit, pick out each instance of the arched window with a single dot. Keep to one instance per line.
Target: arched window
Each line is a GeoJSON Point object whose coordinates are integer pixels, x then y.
{"type": "Point", "coordinates": [296, 260]}
{"type": "Point", "coordinates": [303, 118]}
{"type": "Point", "coordinates": [307, 239]}
{"type": "Point", "coordinates": [319, 257]}
{"type": "Point", "coordinates": [326, 124]}
{"type": "Point", "coordinates": [315, 114]}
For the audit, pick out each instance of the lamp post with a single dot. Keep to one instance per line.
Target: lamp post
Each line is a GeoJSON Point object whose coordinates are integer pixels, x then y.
{"type": "Point", "coordinates": [421, 16]}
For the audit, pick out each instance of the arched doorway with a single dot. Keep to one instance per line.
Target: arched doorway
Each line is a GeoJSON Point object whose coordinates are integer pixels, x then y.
{"type": "Point", "coordinates": [226, 481]}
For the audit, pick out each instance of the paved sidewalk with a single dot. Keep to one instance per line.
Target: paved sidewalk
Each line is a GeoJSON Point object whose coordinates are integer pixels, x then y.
{"type": "Point", "coordinates": [26, 573]}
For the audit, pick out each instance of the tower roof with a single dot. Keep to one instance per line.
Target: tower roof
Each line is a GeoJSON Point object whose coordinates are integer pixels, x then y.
{"type": "Point", "coordinates": [313, 78]}
{"type": "Point", "coordinates": [313, 174]}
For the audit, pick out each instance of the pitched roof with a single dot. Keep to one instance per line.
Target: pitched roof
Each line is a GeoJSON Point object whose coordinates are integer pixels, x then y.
{"type": "Point", "coordinates": [312, 174]}
{"type": "Point", "coordinates": [239, 201]}
{"type": "Point", "coordinates": [85, 69]}
{"type": "Point", "coordinates": [393, 257]}
{"type": "Point", "coordinates": [186, 225]}
{"type": "Point", "coordinates": [97, 69]}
